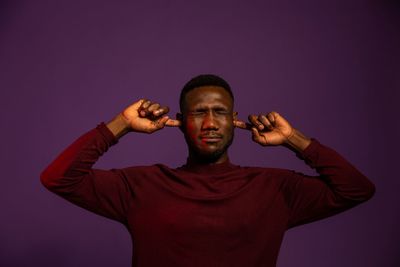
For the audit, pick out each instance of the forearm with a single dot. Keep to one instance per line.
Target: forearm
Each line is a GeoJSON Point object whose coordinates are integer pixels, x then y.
{"type": "Point", "coordinates": [340, 186]}
{"type": "Point", "coordinates": [72, 176]}
{"type": "Point", "coordinates": [119, 126]}
{"type": "Point", "coordinates": [78, 159]}
{"type": "Point", "coordinates": [297, 141]}
{"type": "Point", "coordinates": [342, 177]}
{"type": "Point", "coordinates": [339, 174]}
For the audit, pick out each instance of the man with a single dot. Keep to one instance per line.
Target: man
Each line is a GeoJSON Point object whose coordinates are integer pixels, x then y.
{"type": "Point", "coordinates": [209, 212]}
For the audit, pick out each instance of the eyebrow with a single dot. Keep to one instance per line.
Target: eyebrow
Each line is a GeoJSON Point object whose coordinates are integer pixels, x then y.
{"type": "Point", "coordinates": [204, 107]}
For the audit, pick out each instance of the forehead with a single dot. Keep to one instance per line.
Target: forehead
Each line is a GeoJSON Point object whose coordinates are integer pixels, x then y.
{"type": "Point", "coordinates": [208, 95]}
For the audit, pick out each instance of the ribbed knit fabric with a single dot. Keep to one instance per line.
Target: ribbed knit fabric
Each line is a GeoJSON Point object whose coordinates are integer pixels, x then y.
{"type": "Point", "coordinates": [216, 215]}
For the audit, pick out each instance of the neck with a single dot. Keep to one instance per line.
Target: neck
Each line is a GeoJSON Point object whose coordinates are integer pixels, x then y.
{"type": "Point", "coordinates": [207, 160]}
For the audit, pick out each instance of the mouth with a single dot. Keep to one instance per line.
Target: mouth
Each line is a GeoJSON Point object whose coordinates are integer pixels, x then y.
{"type": "Point", "coordinates": [211, 138]}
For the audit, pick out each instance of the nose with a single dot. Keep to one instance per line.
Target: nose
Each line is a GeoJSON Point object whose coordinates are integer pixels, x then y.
{"type": "Point", "coordinates": [209, 122]}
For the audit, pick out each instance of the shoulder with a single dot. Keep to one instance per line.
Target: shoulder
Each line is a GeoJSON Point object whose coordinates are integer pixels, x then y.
{"type": "Point", "coordinates": [146, 169]}
{"type": "Point", "coordinates": [266, 171]}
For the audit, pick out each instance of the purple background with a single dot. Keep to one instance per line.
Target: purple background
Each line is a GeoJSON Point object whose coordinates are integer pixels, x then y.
{"type": "Point", "coordinates": [330, 67]}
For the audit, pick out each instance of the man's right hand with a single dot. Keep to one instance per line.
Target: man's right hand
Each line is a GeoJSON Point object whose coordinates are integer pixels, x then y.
{"type": "Point", "coordinates": [142, 116]}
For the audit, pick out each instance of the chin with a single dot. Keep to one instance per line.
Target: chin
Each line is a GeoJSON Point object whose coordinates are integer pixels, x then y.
{"type": "Point", "coordinates": [210, 156]}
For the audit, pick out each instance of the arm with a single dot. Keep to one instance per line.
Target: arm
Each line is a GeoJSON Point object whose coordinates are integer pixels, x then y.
{"type": "Point", "coordinates": [339, 185]}
{"type": "Point", "coordinates": [107, 193]}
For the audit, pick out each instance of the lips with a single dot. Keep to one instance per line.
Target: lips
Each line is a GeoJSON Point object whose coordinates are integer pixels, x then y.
{"type": "Point", "coordinates": [211, 138]}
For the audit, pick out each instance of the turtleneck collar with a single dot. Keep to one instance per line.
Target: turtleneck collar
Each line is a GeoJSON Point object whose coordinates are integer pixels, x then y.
{"type": "Point", "coordinates": [210, 168]}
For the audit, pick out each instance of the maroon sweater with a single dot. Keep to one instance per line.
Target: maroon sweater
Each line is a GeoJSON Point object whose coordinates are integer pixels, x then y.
{"type": "Point", "coordinates": [219, 215]}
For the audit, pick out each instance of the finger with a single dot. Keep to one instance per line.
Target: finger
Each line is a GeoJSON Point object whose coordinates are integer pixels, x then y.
{"type": "Point", "coordinates": [160, 123]}
{"type": "Point", "coordinates": [264, 120]}
{"type": "Point", "coordinates": [143, 108]}
{"type": "Point", "coordinates": [153, 107]}
{"type": "Point", "coordinates": [272, 117]}
{"type": "Point", "coordinates": [254, 120]}
{"type": "Point", "coordinates": [242, 125]}
{"type": "Point", "coordinates": [173, 123]}
{"type": "Point", "coordinates": [145, 104]}
{"type": "Point", "coordinates": [134, 107]}
{"type": "Point", "coordinates": [139, 103]}
{"type": "Point", "coordinates": [256, 136]}
{"type": "Point", "coordinates": [161, 111]}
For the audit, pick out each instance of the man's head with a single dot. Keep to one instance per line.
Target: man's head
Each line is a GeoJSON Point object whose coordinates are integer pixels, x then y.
{"type": "Point", "coordinates": [207, 116]}
{"type": "Point", "coordinates": [203, 80]}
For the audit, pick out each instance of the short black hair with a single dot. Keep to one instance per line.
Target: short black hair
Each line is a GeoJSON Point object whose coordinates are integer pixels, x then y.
{"type": "Point", "coordinates": [204, 80]}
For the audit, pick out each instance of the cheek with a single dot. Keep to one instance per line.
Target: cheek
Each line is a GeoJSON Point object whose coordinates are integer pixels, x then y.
{"type": "Point", "coordinates": [228, 128]}
{"type": "Point", "coordinates": [191, 130]}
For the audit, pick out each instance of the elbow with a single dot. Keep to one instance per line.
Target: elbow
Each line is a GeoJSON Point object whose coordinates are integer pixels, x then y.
{"type": "Point", "coordinates": [46, 179]}
{"type": "Point", "coordinates": [364, 191]}
{"type": "Point", "coordinates": [369, 191]}
{"type": "Point", "coordinates": [361, 191]}
{"type": "Point", "coordinates": [49, 179]}
{"type": "Point", "coordinates": [57, 180]}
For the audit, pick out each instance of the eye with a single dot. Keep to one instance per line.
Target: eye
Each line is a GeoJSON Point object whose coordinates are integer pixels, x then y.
{"type": "Point", "coordinates": [197, 113]}
{"type": "Point", "coordinates": [222, 111]}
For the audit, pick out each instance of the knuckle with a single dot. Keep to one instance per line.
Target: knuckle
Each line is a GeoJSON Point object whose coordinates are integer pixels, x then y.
{"type": "Point", "coordinates": [152, 107]}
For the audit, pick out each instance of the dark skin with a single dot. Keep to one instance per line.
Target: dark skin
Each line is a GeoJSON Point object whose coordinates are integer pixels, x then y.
{"type": "Point", "coordinates": [207, 122]}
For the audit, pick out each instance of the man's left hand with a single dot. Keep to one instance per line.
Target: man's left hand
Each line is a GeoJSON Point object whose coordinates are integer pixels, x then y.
{"type": "Point", "coordinates": [268, 129]}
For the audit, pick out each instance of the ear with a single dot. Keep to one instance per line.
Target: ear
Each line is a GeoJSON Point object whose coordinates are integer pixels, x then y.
{"type": "Point", "coordinates": [235, 114]}
{"type": "Point", "coordinates": [179, 117]}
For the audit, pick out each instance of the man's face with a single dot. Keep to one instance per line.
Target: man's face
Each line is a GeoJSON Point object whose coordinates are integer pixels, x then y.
{"type": "Point", "coordinates": [208, 123]}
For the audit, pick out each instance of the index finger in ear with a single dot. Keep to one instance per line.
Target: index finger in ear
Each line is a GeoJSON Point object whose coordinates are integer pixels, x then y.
{"type": "Point", "coordinates": [173, 123]}
{"type": "Point", "coordinates": [242, 125]}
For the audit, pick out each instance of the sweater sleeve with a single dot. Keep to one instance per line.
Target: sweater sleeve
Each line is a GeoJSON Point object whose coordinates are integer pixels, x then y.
{"type": "Point", "coordinates": [338, 187]}
{"type": "Point", "coordinates": [72, 177]}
